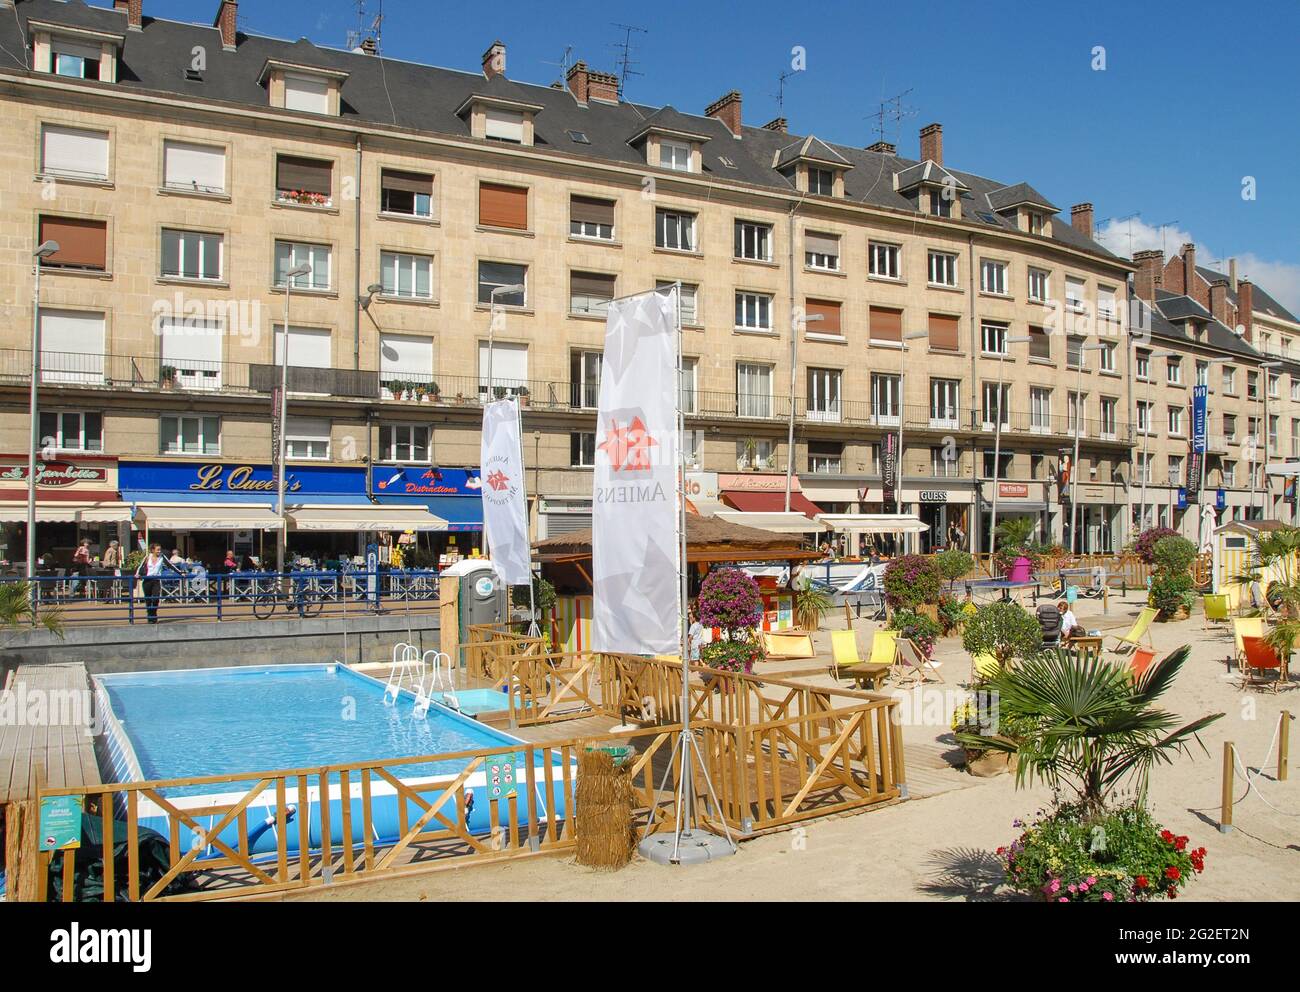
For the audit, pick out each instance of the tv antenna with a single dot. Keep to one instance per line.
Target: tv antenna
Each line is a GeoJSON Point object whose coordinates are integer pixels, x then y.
{"type": "Point", "coordinates": [625, 62]}
{"type": "Point", "coordinates": [566, 60]}
{"type": "Point", "coordinates": [891, 114]}
{"type": "Point", "coordinates": [1130, 218]}
{"type": "Point", "coordinates": [361, 33]}
{"type": "Point", "coordinates": [780, 88]}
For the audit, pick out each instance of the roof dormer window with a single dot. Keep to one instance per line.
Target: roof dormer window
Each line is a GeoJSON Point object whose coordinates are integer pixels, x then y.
{"type": "Point", "coordinates": [75, 53]}
{"type": "Point", "coordinates": [495, 118]}
{"type": "Point", "coordinates": [812, 167]}
{"type": "Point", "coordinates": [302, 88]}
{"type": "Point", "coordinates": [675, 155]}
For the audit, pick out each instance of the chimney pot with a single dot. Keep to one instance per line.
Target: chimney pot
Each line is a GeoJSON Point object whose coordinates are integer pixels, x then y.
{"type": "Point", "coordinates": [932, 144]}
{"type": "Point", "coordinates": [1232, 273]}
{"type": "Point", "coordinates": [369, 46]}
{"type": "Point", "coordinates": [1246, 308]}
{"type": "Point", "coordinates": [1219, 301]}
{"type": "Point", "coordinates": [883, 147]}
{"type": "Point", "coordinates": [1081, 218]}
{"type": "Point", "coordinates": [1191, 283]}
{"type": "Point", "coordinates": [134, 10]}
{"type": "Point", "coordinates": [726, 109]}
{"type": "Point", "coordinates": [576, 80]}
{"type": "Point", "coordinates": [494, 60]}
{"type": "Point", "coordinates": [1150, 273]}
{"type": "Point", "coordinates": [778, 124]}
{"type": "Point", "coordinates": [227, 18]}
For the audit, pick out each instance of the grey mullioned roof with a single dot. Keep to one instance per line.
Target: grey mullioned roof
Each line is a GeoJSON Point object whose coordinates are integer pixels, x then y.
{"type": "Point", "coordinates": [1011, 196]}
{"type": "Point", "coordinates": [1261, 300]}
{"type": "Point", "coordinates": [406, 95]}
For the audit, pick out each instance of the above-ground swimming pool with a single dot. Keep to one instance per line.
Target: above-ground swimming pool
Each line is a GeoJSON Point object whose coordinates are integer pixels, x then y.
{"type": "Point", "coordinates": [232, 721]}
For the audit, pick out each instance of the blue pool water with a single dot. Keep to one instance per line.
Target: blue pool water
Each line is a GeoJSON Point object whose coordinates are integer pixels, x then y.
{"type": "Point", "coordinates": [225, 721]}
{"type": "Point", "coordinates": [234, 721]}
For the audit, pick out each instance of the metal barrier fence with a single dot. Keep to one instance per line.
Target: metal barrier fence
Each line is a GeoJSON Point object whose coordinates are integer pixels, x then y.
{"type": "Point", "coordinates": [112, 598]}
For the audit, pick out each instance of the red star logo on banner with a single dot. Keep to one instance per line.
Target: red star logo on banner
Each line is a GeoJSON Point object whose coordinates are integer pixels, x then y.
{"type": "Point", "coordinates": [497, 480]}
{"type": "Point", "coordinates": [628, 447]}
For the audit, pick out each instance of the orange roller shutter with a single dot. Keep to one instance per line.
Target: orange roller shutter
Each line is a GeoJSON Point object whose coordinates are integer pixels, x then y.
{"type": "Point", "coordinates": [944, 332]}
{"type": "Point", "coordinates": [886, 324]}
{"type": "Point", "coordinates": [829, 311]}
{"type": "Point", "coordinates": [82, 243]}
{"type": "Point", "coordinates": [503, 206]}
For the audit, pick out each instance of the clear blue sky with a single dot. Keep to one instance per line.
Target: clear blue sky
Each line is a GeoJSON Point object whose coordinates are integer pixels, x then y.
{"type": "Point", "coordinates": [1194, 97]}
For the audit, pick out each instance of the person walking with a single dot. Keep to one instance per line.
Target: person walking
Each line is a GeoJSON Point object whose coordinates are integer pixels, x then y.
{"type": "Point", "coordinates": [152, 568]}
{"type": "Point", "coordinates": [80, 566]}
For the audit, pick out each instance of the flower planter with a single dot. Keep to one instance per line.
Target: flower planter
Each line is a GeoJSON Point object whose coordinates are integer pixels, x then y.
{"type": "Point", "coordinates": [930, 610]}
{"type": "Point", "coordinates": [989, 764]}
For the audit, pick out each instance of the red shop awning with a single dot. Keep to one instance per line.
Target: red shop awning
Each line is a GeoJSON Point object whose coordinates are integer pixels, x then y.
{"type": "Point", "coordinates": [769, 502]}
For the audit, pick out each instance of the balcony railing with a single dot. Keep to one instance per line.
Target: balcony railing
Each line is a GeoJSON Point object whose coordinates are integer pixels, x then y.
{"type": "Point", "coordinates": [80, 370]}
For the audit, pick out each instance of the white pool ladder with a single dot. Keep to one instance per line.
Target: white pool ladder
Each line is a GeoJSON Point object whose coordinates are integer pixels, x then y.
{"type": "Point", "coordinates": [407, 667]}
{"type": "Point", "coordinates": [423, 695]}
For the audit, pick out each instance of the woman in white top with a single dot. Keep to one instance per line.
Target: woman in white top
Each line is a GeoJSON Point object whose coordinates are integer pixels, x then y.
{"type": "Point", "coordinates": [152, 569]}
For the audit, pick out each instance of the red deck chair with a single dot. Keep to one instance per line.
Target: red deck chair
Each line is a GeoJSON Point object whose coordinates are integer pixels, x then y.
{"type": "Point", "coordinates": [1259, 660]}
{"type": "Point", "coordinates": [1140, 662]}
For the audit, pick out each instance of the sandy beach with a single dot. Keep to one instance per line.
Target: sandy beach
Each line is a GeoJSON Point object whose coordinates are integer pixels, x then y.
{"type": "Point", "coordinates": [939, 845]}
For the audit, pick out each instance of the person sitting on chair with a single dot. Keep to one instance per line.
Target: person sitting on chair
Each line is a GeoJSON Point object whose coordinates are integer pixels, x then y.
{"type": "Point", "coordinates": [1069, 623]}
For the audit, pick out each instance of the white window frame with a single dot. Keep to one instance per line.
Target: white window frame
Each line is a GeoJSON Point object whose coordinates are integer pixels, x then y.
{"type": "Point", "coordinates": [989, 398]}
{"type": "Point", "coordinates": [942, 263]}
{"type": "Point", "coordinates": [679, 223]}
{"type": "Point", "coordinates": [945, 403]}
{"type": "Point", "coordinates": [504, 281]}
{"type": "Point", "coordinates": [752, 241]}
{"type": "Point", "coordinates": [305, 431]}
{"type": "Point", "coordinates": [204, 421]}
{"type": "Point", "coordinates": [1039, 285]}
{"type": "Point", "coordinates": [82, 134]}
{"type": "Point", "coordinates": [1175, 420]}
{"type": "Point", "coordinates": [689, 301]}
{"type": "Point", "coordinates": [884, 260]}
{"type": "Point", "coordinates": [886, 399]}
{"type": "Point", "coordinates": [675, 155]}
{"type": "Point", "coordinates": [299, 252]}
{"type": "Point", "coordinates": [753, 312]}
{"type": "Point", "coordinates": [751, 403]}
{"type": "Point", "coordinates": [993, 276]}
{"type": "Point", "coordinates": [204, 243]}
{"type": "Point", "coordinates": [406, 264]}
{"type": "Point", "coordinates": [59, 439]}
{"type": "Point", "coordinates": [825, 402]}
{"type": "Point", "coordinates": [398, 443]}
{"type": "Point", "coordinates": [1040, 409]}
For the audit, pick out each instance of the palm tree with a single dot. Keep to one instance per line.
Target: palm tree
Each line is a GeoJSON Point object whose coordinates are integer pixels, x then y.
{"type": "Point", "coordinates": [16, 610]}
{"type": "Point", "coordinates": [1093, 725]}
{"type": "Point", "coordinates": [1015, 532]}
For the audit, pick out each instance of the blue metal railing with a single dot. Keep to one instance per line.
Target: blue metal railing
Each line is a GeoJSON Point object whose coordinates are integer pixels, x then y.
{"type": "Point", "coordinates": [98, 597]}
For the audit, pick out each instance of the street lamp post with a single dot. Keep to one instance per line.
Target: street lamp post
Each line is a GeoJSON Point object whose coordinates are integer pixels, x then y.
{"type": "Point", "coordinates": [796, 325]}
{"type": "Point", "coordinates": [43, 251]}
{"type": "Point", "coordinates": [1266, 507]}
{"type": "Point", "coordinates": [1079, 407]}
{"type": "Point", "coordinates": [283, 536]}
{"type": "Point", "coordinates": [1146, 436]}
{"type": "Point", "coordinates": [902, 415]}
{"type": "Point", "coordinates": [997, 440]}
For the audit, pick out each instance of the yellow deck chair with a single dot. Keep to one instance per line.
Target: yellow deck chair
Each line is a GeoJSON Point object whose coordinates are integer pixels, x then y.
{"type": "Point", "coordinates": [884, 648]}
{"type": "Point", "coordinates": [1243, 627]}
{"type": "Point", "coordinates": [1141, 628]}
{"type": "Point", "coordinates": [984, 665]}
{"type": "Point", "coordinates": [844, 648]}
{"type": "Point", "coordinates": [1216, 609]}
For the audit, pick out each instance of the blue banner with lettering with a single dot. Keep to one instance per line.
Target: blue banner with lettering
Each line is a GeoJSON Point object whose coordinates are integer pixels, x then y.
{"type": "Point", "coordinates": [234, 482]}
{"type": "Point", "coordinates": [1200, 401]}
{"type": "Point", "coordinates": [454, 494]}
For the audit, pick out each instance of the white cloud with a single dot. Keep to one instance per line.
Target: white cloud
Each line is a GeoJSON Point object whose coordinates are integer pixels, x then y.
{"type": "Point", "coordinates": [1280, 279]}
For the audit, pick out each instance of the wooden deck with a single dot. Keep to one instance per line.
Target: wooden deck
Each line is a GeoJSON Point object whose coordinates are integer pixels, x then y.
{"type": "Point", "coordinates": [58, 740]}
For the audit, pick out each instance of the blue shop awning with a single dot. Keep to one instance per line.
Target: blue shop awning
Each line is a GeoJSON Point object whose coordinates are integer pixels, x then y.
{"type": "Point", "coordinates": [462, 513]}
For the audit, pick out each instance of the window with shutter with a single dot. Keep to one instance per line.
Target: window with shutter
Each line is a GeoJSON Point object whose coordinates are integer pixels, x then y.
{"type": "Point", "coordinates": [944, 332]}
{"type": "Point", "coordinates": [503, 206]}
{"type": "Point", "coordinates": [307, 93]}
{"type": "Point", "coordinates": [590, 292]}
{"type": "Point", "coordinates": [405, 358]}
{"type": "Point", "coordinates": [505, 125]}
{"type": "Point", "coordinates": [309, 347]}
{"type": "Point", "coordinates": [305, 181]}
{"type": "Point", "coordinates": [591, 218]}
{"type": "Point", "coordinates": [828, 311]}
{"type": "Point", "coordinates": [192, 349]}
{"type": "Point", "coordinates": [409, 194]}
{"type": "Point", "coordinates": [886, 324]}
{"type": "Point", "coordinates": [72, 346]}
{"type": "Point", "coordinates": [509, 368]}
{"type": "Point", "coordinates": [73, 153]}
{"type": "Point", "coordinates": [83, 244]}
{"type": "Point", "coordinates": [196, 168]}
{"type": "Point", "coordinates": [821, 251]}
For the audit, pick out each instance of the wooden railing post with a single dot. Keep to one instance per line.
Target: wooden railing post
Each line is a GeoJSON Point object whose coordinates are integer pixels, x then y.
{"type": "Point", "coordinates": [1225, 806]}
{"type": "Point", "coordinates": [1284, 745]}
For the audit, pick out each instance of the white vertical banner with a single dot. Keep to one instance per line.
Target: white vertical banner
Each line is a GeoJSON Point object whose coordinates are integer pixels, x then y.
{"type": "Point", "coordinates": [505, 504]}
{"type": "Point", "coordinates": [635, 500]}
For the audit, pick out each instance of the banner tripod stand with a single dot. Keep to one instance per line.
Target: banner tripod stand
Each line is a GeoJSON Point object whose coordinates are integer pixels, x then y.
{"type": "Point", "coordinates": [689, 843]}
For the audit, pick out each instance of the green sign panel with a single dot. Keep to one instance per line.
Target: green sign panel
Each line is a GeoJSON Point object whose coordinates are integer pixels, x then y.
{"type": "Point", "coordinates": [60, 822]}
{"type": "Point", "coordinates": [501, 775]}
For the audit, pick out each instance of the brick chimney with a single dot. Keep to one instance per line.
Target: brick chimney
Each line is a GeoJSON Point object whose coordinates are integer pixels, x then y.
{"type": "Point", "coordinates": [778, 124]}
{"type": "Point", "coordinates": [134, 11]}
{"type": "Point", "coordinates": [227, 15]}
{"type": "Point", "coordinates": [1150, 273]}
{"type": "Point", "coordinates": [588, 84]}
{"type": "Point", "coordinates": [727, 109]}
{"type": "Point", "coordinates": [932, 144]}
{"type": "Point", "coordinates": [1246, 308]}
{"type": "Point", "coordinates": [494, 60]}
{"type": "Point", "coordinates": [1081, 218]}
{"type": "Point", "coordinates": [884, 148]}
{"type": "Point", "coordinates": [1232, 273]}
{"type": "Point", "coordinates": [1219, 301]}
{"type": "Point", "coordinates": [1190, 281]}
{"type": "Point", "coordinates": [577, 79]}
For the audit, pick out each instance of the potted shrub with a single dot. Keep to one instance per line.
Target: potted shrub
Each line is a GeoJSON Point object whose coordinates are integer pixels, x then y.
{"type": "Point", "coordinates": [167, 376]}
{"type": "Point", "coordinates": [810, 604]}
{"type": "Point", "coordinates": [913, 582]}
{"type": "Point", "coordinates": [1092, 728]}
{"type": "Point", "coordinates": [954, 564]}
{"type": "Point", "coordinates": [952, 615]}
{"type": "Point", "coordinates": [729, 600]}
{"type": "Point", "coordinates": [1145, 545]}
{"type": "Point", "coordinates": [1015, 542]}
{"type": "Point", "coordinates": [1173, 591]}
{"type": "Point", "coordinates": [522, 393]}
{"type": "Point", "coordinates": [435, 392]}
{"type": "Point", "coordinates": [1004, 629]}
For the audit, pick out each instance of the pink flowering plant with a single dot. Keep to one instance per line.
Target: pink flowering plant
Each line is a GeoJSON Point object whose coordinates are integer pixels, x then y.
{"type": "Point", "coordinates": [730, 600]}
{"type": "Point", "coordinates": [1072, 854]}
{"type": "Point", "coordinates": [1145, 545]}
{"type": "Point", "coordinates": [912, 581]}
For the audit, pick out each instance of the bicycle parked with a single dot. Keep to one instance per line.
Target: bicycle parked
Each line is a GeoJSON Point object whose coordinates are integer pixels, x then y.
{"type": "Point", "coordinates": [305, 598]}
